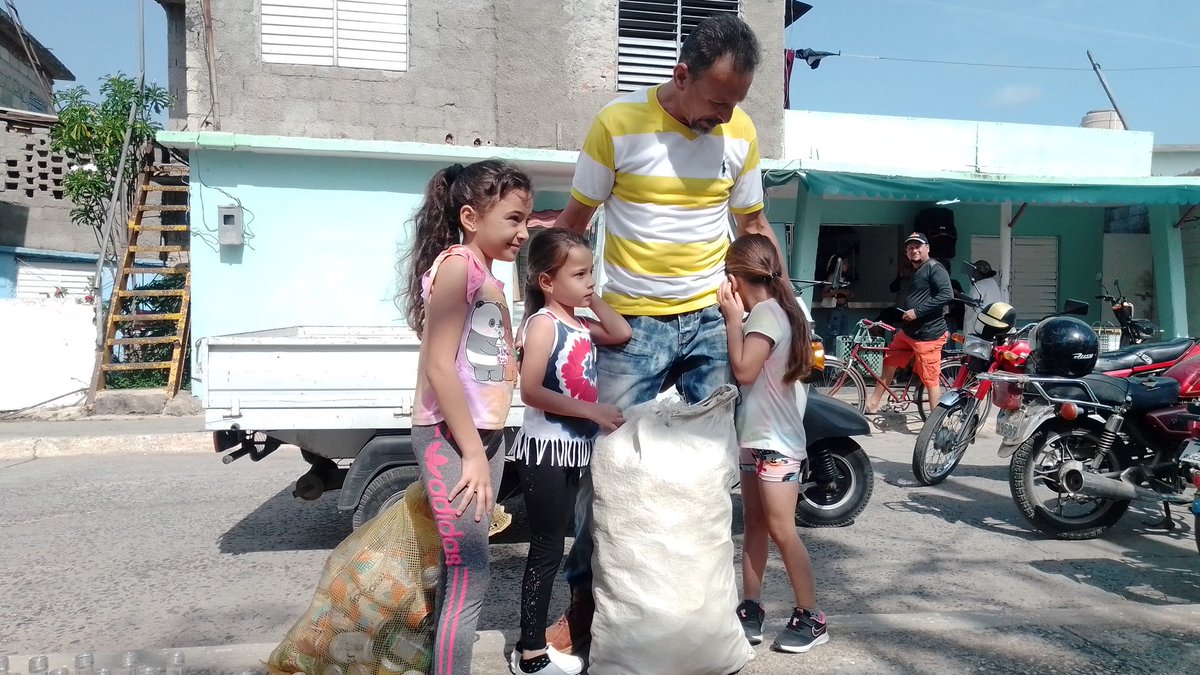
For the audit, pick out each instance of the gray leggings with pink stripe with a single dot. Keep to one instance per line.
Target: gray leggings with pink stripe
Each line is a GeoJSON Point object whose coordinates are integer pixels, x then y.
{"type": "Point", "coordinates": [464, 578]}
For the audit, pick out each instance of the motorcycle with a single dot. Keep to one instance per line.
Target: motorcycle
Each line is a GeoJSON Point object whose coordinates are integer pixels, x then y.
{"type": "Point", "coordinates": [1083, 447]}
{"type": "Point", "coordinates": [963, 408]}
{"type": "Point", "coordinates": [1133, 331]}
{"type": "Point", "coordinates": [945, 436]}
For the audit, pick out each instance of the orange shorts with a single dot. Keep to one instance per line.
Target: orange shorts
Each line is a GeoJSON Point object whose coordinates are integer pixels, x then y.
{"type": "Point", "coordinates": [928, 353]}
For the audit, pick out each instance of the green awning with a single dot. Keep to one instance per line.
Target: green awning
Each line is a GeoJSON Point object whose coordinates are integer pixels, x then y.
{"type": "Point", "coordinates": [1183, 190]}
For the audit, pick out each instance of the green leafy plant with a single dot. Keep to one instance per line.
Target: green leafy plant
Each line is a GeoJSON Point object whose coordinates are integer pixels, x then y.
{"type": "Point", "coordinates": [92, 133]}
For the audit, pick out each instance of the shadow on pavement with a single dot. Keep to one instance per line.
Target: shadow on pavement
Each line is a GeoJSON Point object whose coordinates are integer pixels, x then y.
{"type": "Point", "coordinates": [1022, 649]}
{"type": "Point", "coordinates": [286, 523]}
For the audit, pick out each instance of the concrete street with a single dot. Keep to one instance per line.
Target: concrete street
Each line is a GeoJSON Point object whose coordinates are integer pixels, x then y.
{"type": "Point", "coordinates": [158, 551]}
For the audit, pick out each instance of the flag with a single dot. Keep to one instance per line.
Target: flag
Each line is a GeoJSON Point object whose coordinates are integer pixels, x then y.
{"type": "Point", "coordinates": [813, 58]}
{"type": "Point", "coordinates": [793, 10]}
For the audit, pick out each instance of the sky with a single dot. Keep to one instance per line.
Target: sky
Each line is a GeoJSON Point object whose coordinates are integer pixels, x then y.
{"type": "Point", "coordinates": [98, 37]}
{"type": "Point", "coordinates": [1054, 33]}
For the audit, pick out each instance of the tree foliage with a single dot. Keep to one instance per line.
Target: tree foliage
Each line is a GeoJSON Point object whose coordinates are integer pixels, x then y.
{"type": "Point", "coordinates": [91, 133]}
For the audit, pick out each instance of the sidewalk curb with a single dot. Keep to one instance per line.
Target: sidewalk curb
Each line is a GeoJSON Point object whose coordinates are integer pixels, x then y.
{"type": "Point", "coordinates": [489, 644]}
{"type": "Point", "coordinates": [72, 446]}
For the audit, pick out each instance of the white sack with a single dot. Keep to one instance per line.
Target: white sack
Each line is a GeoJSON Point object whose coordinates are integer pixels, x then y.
{"type": "Point", "coordinates": [663, 563]}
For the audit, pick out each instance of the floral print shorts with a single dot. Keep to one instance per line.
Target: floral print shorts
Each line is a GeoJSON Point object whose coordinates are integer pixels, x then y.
{"type": "Point", "coordinates": [769, 465]}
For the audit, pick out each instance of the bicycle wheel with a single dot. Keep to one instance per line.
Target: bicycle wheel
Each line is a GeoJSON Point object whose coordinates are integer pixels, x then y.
{"type": "Point", "coordinates": [942, 442]}
{"type": "Point", "coordinates": [839, 380]}
{"type": "Point", "coordinates": [916, 389]}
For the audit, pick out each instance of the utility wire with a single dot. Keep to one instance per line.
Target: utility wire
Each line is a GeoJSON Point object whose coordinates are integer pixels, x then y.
{"type": "Point", "coordinates": [976, 64]}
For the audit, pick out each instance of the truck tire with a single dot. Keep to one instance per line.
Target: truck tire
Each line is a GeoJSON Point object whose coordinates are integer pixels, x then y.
{"type": "Point", "coordinates": [384, 490]}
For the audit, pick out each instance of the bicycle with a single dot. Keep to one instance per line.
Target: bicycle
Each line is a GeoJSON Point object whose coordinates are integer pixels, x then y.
{"type": "Point", "coordinates": [844, 380]}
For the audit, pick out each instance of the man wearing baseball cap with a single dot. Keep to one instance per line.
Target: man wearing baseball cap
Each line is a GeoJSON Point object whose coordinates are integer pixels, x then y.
{"type": "Point", "coordinates": [923, 325]}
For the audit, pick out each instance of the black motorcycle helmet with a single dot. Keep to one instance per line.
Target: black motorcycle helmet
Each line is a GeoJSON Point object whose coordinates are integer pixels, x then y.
{"type": "Point", "coordinates": [1063, 346]}
{"type": "Point", "coordinates": [998, 318]}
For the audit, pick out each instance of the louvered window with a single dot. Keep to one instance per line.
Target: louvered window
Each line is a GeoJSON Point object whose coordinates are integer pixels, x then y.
{"type": "Point", "coordinates": [650, 32]}
{"type": "Point", "coordinates": [347, 33]}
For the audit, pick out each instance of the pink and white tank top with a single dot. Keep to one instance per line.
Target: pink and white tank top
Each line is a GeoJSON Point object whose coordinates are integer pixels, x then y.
{"type": "Point", "coordinates": [485, 362]}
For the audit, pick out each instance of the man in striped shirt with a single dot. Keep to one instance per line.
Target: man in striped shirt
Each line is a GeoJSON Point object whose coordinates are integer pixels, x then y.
{"type": "Point", "coordinates": [671, 164]}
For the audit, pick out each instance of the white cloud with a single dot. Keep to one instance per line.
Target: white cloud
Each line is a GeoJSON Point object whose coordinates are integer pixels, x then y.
{"type": "Point", "coordinates": [1016, 95]}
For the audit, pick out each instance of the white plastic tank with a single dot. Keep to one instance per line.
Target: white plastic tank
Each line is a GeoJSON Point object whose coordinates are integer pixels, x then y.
{"type": "Point", "coordinates": [1102, 119]}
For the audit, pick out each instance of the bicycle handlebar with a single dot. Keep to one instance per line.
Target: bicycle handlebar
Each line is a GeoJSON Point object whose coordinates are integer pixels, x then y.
{"type": "Point", "coordinates": [867, 323]}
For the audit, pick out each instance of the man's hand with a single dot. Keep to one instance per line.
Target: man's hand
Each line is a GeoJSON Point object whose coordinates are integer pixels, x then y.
{"type": "Point", "coordinates": [909, 315]}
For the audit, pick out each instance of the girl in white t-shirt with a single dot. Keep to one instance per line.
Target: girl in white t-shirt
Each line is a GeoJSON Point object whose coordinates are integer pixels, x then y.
{"type": "Point", "coordinates": [771, 352]}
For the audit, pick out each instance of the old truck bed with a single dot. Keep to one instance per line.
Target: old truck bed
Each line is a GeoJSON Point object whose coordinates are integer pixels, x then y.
{"type": "Point", "coordinates": [312, 378]}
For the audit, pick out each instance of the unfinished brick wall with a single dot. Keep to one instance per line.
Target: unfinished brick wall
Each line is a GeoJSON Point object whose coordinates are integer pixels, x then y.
{"type": "Point", "coordinates": [34, 211]}
{"type": "Point", "coordinates": [19, 85]}
{"type": "Point", "coordinates": [488, 72]}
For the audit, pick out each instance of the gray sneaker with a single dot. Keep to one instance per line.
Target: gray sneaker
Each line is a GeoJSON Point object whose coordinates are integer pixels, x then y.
{"type": "Point", "coordinates": [803, 632]}
{"type": "Point", "coordinates": [752, 615]}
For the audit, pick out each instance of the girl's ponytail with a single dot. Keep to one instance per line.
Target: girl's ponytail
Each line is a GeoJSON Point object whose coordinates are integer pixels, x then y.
{"type": "Point", "coordinates": [436, 229]}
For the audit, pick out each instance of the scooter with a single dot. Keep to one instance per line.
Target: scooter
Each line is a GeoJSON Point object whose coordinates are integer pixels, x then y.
{"type": "Point", "coordinates": [838, 479]}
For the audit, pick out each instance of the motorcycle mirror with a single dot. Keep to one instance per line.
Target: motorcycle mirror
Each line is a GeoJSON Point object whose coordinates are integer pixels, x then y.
{"type": "Point", "coordinates": [1100, 277]}
{"type": "Point", "coordinates": [838, 280]}
{"type": "Point", "coordinates": [1076, 308]}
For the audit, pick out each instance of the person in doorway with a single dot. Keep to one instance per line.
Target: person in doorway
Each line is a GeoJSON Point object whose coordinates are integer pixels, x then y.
{"type": "Point", "coordinates": [837, 296]}
{"type": "Point", "coordinates": [922, 332]}
{"type": "Point", "coordinates": [665, 240]}
{"type": "Point", "coordinates": [562, 418]}
{"type": "Point", "coordinates": [985, 290]}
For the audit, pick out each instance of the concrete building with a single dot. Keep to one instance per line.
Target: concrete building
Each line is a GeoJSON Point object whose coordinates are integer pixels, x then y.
{"type": "Point", "coordinates": [327, 160]}
{"type": "Point", "coordinates": [1051, 208]}
{"type": "Point", "coordinates": [42, 253]}
{"type": "Point", "coordinates": [20, 86]}
{"type": "Point", "coordinates": [505, 73]}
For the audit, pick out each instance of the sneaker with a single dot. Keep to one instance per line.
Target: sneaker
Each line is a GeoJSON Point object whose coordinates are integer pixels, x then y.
{"type": "Point", "coordinates": [803, 632]}
{"type": "Point", "coordinates": [560, 664]}
{"type": "Point", "coordinates": [752, 615]}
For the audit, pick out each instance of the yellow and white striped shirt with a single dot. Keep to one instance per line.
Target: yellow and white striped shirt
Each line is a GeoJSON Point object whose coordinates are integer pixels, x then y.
{"type": "Point", "coordinates": [667, 194]}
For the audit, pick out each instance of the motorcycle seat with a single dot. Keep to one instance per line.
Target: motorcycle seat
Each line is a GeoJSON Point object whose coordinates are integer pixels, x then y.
{"type": "Point", "coordinates": [1152, 392]}
{"type": "Point", "coordinates": [1143, 355]}
{"type": "Point", "coordinates": [1107, 390]}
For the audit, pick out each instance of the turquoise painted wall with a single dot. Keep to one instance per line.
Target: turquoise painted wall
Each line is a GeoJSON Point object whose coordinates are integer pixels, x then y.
{"type": "Point", "coordinates": [324, 235]}
{"type": "Point", "coordinates": [1080, 231]}
{"type": "Point", "coordinates": [8, 274]}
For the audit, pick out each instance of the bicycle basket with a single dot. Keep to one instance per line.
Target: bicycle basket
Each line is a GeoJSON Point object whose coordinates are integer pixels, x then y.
{"type": "Point", "coordinates": [845, 343]}
{"type": "Point", "coordinates": [1110, 337]}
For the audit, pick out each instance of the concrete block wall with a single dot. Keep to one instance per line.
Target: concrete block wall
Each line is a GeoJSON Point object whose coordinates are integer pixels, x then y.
{"type": "Point", "coordinates": [34, 211]}
{"type": "Point", "coordinates": [490, 72]}
{"type": "Point", "coordinates": [19, 84]}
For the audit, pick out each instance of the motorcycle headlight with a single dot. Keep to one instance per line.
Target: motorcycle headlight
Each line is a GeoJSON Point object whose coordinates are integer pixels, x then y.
{"type": "Point", "coordinates": [978, 347]}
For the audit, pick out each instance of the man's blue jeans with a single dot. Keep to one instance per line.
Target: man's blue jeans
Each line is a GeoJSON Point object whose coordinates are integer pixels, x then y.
{"type": "Point", "coordinates": [688, 350]}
